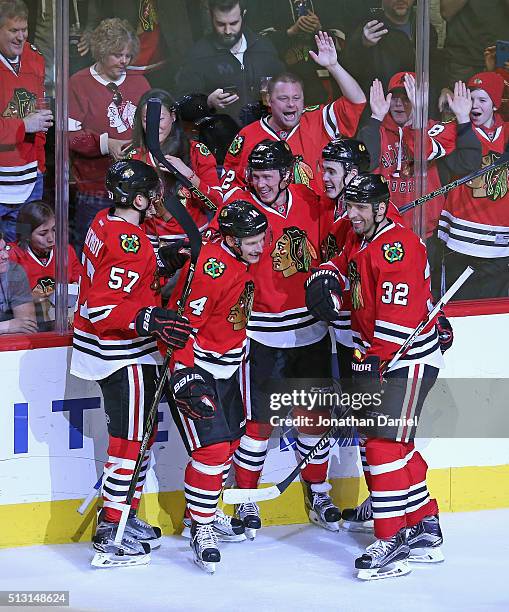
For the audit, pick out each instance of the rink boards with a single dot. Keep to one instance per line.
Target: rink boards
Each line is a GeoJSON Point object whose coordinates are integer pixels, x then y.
{"type": "Point", "coordinates": [53, 445]}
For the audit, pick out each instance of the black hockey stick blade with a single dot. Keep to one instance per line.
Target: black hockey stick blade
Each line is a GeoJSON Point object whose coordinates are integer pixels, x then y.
{"type": "Point", "coordinates": [154, 146]}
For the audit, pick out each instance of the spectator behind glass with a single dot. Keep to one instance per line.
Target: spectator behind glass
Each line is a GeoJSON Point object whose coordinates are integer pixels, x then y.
{"type": "Point", "coordinates": [191, 158]}
{"type": "Point", "coordinates": [474, 224]}
{"type": "Point", "coordinates": [35, 252]}
{"type": "Point", "coordinates": [489, 61]}
{"type": "Point", "coordinates": [102, 105]}
{"type": "Point", "coordinates": [22, 127]}
{"type": "Point", "coordinates": [228, 64]}
{"type": "Point", "coordinates": [385, 45]}
{"type": "Point", "coordinates": [17, 312]}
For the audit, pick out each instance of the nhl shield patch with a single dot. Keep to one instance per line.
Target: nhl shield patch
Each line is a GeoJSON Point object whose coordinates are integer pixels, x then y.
{"type": "Point", "coordinates": [213, 267]}
{"type": "Point", "coordinates": [130, 243]}
{"type": "Point", "coordinates": [393, 252]}
{"type": "Point", "coordinates": [236, 145]}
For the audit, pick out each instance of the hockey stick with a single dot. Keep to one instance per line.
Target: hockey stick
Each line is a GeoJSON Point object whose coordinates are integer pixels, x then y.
{"type": "Point", "coordinates": [94, 491]}
{"type": "Point", "coordinates": [176, 173]}
{"type": "Point", "coordinates": [189, 227]}
{"type": "Point", "coordinates": [240, 496]}
{"type": "Point", "coordinates": [503, 160]}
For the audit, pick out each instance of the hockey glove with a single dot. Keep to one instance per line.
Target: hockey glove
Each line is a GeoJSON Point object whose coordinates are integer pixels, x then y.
{"type": "Point", "coordinates": [172, 257]}
{"type": "Point", "coordinates": [366, 374]}
{"type": "Point", "coordinates": [445, 333]}
{"type": "Point", "coordinates": [194, 397]}
{"type": "Point", "coordinates": [167, 325]}
{"type": "Point", "coordinates": [323, 295]}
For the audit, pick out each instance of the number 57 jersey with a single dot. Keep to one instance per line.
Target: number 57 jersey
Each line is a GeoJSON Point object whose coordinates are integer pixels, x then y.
{"type": "Point", "coordinates": [118, 279]}
{"type": "Point", "coordinates": [390, 294]}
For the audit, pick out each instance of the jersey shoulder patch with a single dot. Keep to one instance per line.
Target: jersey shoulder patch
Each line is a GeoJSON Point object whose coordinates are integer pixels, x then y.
{"type": "Point", "coordinates": [310, 109]}
{"type": "Point", "coordinates": [34, 48]}
{"type": "Point", "coordinates": [130, 243]}
{"type": "Point", "coordinates": [236, 145]}
{"type": "Point", "coordinates": [214, 267]}
{"type": "Point", "coordinates": [393, 252]}
{"type": "Point", "coordinates": [202, 149]}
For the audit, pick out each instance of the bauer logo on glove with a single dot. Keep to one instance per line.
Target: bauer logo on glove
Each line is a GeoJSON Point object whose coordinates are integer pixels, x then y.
{"type": "Point", "coordinates": [194, 397]}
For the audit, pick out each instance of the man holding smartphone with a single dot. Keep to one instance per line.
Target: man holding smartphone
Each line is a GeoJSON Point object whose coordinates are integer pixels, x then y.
{"type": "Point", "coordinates": [229, 63]}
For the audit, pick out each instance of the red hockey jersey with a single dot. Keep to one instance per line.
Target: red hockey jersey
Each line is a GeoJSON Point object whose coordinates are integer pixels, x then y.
{"type": "Point", "coordinates": [390, 293]}
{"type": "Point", "coordinates": [21, 154]}
{"type": "Point", "coordinates": [119, 278]}
{"type": "Point", "coordinates": [475, 219]}
{"type": "Point", "coordinates": [218, 308]}
{"type": "Point", "coordinates": [41, 275]}
{"type": "Point", "coordinates": [318, 125]}
{"type": "Point", "coordinates": [204, 164]}
{"type": "Point", "coordinates": [99, 109]}
{"type": "Point", "coordinates": [280, 317]}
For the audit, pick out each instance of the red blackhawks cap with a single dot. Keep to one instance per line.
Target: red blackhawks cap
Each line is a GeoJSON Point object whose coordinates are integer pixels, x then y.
{"type": "Point", "coordinates": [398, 81]}
{"type": "Point", "coordinates": [491, 82]}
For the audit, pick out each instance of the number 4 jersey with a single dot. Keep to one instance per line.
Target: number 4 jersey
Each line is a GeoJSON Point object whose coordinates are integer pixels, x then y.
{"type": "Point", "coordinates": [118, 279]}
{"type": "Point", "coordinates": [390, 294]}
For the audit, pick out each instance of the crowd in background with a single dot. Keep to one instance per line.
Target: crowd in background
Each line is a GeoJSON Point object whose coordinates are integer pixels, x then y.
{"type": "Point", "coordinates": [211, 64]}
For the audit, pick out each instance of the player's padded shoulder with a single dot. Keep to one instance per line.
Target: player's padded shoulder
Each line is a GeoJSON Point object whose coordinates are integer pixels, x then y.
{"type": "Point", "coordinates": [200, 148]}
{"type": "Point", "coordinates": [401, 246]}
{"type": "Point", "coordinates": [216, 263]}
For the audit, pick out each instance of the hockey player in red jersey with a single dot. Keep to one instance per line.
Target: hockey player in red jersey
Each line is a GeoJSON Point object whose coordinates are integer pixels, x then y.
{"type": "Point", "coordinates": [117, 325]}
{"type": "Point", "coordinates": [306, 130]}
{"type": "Point", "coordinates": [285, 341]}
{"type": "Point", "coordinates": [190, 157]}
{"type": "Point", "coordinates": [209, 411]}
{"type": "Point", "coordinates": [388, 273]}
{"type": "Point", "coordinates": [475, 221]}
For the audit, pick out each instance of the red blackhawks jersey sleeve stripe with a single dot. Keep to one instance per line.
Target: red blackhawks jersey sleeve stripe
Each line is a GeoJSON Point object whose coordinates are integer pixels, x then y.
{"type": "Point", "coordinates": [118, 280]}
{"type": "Point", "coordinates": [218, 308]}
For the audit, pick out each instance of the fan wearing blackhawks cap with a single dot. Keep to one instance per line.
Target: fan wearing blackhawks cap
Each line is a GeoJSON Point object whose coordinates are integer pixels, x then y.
{"type": "Point", "coordinates": [475, 221]}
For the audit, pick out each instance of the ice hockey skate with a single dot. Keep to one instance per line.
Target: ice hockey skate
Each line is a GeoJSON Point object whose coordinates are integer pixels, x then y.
{"type": "Point", "coordinates": [322, 511]}
{"type": "Point", "coordinates": [227, 528]}
{"type": "Point", "coordinates": [385, 558]}
{"type": "Point", "coordinates": [358, 519]}
{"type": "Point", "coordinates": [424, 540]}
{"type": "Point", "coordinates": [204, 545]}
{"type": "Point", "coordinates": [249, 514]}
{"type": "Point", "coordinates": [139, 530]}
{"type": "Point", "coordinates": [129, 552]}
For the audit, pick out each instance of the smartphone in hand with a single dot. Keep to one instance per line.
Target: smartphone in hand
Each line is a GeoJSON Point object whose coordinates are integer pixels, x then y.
{"type": "Point", "coordinates": [230, 89]}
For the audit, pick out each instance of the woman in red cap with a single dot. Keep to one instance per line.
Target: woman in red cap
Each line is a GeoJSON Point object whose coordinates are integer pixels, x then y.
{"type": "Point", "coordinates": [475, 221]}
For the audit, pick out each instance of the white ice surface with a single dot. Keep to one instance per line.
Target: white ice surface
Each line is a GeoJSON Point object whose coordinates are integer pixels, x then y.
{"type": "Point", "coordinates": [296, 567]}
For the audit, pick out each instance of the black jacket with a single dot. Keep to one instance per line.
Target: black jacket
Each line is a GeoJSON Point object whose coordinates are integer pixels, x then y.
{"type": "Point", "coordinates": [209, 66]}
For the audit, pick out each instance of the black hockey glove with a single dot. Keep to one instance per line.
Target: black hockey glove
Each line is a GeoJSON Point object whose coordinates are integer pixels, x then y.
{"type": "Point", "coordinates": [172, 257]}
{"type": "Point", "coordinates": [323, 295]}
{"type": "Point", "coordinates": [193, 396]}
{"type": "Point", "coordinates": [445, 333]}
{"type": "Point", "coordinates": [366, 374]}
{"type": "Point", "coordinates": [167, 325]}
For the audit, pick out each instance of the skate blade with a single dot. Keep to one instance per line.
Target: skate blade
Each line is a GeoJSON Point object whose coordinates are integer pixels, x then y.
{"type": "Point", "coordinates": [356, 527]}
{"type": "Point", "coordinates": [207, 566]}
{"type": "Point", "coordinates": [225, 537]}
{"type": "Point", "coordinates": [250, 533]}
{"type": "Point", "coordinates": [314, 518]}
{"type": "Point", "coordinates": [426, 555]}
{"type": "Point", "coordinates": [155, 543]}
{"type": "Point", "coordinates": [106, 560]}
{"type": "Point", "coordinates": [394, 570]}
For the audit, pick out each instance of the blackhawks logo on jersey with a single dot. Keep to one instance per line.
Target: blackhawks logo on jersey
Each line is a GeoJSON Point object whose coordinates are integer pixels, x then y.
{"type": "Point", "coordinates": [130, 243]}
{"type": "Point", "coordinates": [494, 184]}
{"type": "Point", "coordinates": [393, 252]}
{"type": "Point", "coordinates": [21, 104]}
{"type": "Point", "coordinates": [203, 149]}
{"type": "Point", "coordinates": [329, 248]}
{"type": "Point", "coordinates": [236, 145]}
{"type": "Point", "coordinates": [355, 286]}
{"type": "Point", "coordinates": [214, 268]}
{"type": "Point", "coordinates": [302, 172]}
{"type": "Point", "coordinates": [293, 252]}
{"type": "Point", "coordinates": [241, 310]}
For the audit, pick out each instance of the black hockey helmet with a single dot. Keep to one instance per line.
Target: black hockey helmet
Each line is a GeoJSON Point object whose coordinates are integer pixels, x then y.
{"type": "Point", "coordinates": [271, 155]}
{"type": "Point", "coordinates": [348, 151]}
{"type": "Point", "coordinates": [241, 219]}
{"type": "Point", "coordinates": [128, 178]}
{"type": "Point", "coordinates": [194, 107]}
{"type": "Point", "coordinates": [368, 189]}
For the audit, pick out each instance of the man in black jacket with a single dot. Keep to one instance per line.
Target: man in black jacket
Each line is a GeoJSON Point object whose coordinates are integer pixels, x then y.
{"type": "Point", "coordinates": [228, 64]}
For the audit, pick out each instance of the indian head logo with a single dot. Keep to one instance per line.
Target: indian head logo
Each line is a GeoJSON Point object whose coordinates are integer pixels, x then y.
{"type": "Point", "coordinates": [494, 184]}
{"type": "Point", "coordinates": [293, 252]}
{"type": "Point", "coordinates": [329, 248]}
{"type": "Point", "coordinates": [355, 286]}
{"type": "Point", "coordinates": [21, 104]}
{"type": "Point", "coordinates": [241, 310]}
{"type": "Point", "coordinates": [302, 172]}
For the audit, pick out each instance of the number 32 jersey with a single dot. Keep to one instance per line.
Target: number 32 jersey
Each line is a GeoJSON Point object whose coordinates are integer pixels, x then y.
{"type": "Point", "coordinates": [390, 294]}
{"type": "Point", "coordinates": [118, 279]}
